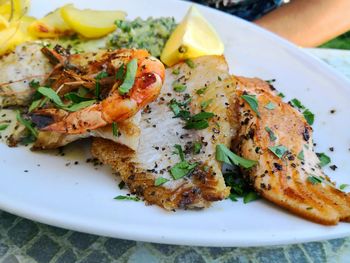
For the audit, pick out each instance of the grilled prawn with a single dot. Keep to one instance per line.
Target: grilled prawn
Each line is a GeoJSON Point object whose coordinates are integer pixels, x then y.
{"type": "Point", "coordinates": [70, 72]}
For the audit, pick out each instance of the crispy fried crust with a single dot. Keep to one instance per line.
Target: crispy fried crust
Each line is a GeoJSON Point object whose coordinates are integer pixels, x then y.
{"type": "Point", "coordinates": [196, 194]}
{"type": "Point", "coordinates": [285, 181]}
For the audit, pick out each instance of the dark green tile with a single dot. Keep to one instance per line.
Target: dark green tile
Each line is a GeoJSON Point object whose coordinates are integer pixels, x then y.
{"type": "Point", "coordinates": [82, 241]}
{"type": "Point", "coordinates": [67, 257]}
{"type": "Point", "coordinates": [3, 249]}
{"type": "Point", "coordinates": [7, 220]}
{"type": "Point", "coordinates": [189, 256]}
{"type": "Point", "coordinates": [296, 254]}
{"type": "Point", "coordinates": [43, 250]}
{"type": "Point", "coordinates": [165, 249]}
{"type": "Point", "coordinates": [117, 247]}
{"type": "Point", "coordinates": [96, 257]}
{"type": "Point", "coordinates": [336, 244]}
{"type": "Point", "coordinates": [315, 251]}
{"type": "Point", "coordinates": [274, 255]}
{"type": "Point", "coordinates": [24, 231]}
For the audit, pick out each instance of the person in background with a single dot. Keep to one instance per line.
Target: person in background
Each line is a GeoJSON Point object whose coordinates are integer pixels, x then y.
{"type": "Point", "coordinates": [307, 23]}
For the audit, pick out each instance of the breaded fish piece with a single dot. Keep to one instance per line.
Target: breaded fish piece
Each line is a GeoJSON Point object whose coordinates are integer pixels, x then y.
{"type": "Point", "coordinates": [18, 68]}
{"type": "Point", "coordinates": [295, 181]}
{"type": "Point", "coordinates": [208, 84]}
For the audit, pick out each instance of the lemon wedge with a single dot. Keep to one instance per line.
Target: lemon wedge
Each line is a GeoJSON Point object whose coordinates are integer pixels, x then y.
{"type": "Point", "coordinates": [91, 23]}
{"type": "Point", "coordinates": [193, 37]}
{"type": "Point", "coordinates": [3, 23]}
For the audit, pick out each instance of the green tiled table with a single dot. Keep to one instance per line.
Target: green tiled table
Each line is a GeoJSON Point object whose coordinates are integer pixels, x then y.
{"type": "Point", "coordinates": [22, 240]}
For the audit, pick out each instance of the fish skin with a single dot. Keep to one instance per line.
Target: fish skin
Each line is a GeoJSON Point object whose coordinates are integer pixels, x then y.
{"type": "Point", "coordinates": [160, 131]}
{"type": "Point", "coordinates": [285, 182]}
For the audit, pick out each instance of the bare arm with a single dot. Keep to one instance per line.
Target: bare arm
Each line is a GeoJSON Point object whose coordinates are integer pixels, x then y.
{"type": "Point", "coordinates": [309, 23]}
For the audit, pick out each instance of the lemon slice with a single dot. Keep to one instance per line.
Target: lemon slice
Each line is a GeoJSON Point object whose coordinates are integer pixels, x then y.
{"type": "Point", "coordinates": [91, 23]}
{"type": "Point", "coordinates": [193, 37]}
{"type": "Point", "coordinates": [3, 23]}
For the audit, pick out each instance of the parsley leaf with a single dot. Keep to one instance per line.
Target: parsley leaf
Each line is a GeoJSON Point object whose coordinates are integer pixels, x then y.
{"type": "Point", "coordinates": [182, 169]}
{"type": "Point", "coordinates": [176, 71]}
{"type": "Point", "coordinates": [27, 123]}
{"type": "Point", "coordinates": [51, 94]}
{"type": "Point", "coordinates": [131, 69]}
{"type": "Point", "coordinates": [3, 126]}
{"type": "Point", "coordinates": [119, 75]}
{"type": "Point", "coordinates": [271, 134]}
{"type": "Point", "coordinates": [297, 104]}
{"type": "Point", "coordinates": [201, 91]}
{"type": "Point", "coordinates": [160, 180]}
{"type": "Point", "coordinates": [309, 116]}
{"type": "Point", "coordinates": [121, 185]}
{"type": "Point", "coordinates": [199, 121]}
{"type": "Point", "coordinates": [79, 106]}
{"type": "Point", "coordinates": [74, 97]}
{"type": "Point", "coordinates": [253, 102]}
{"type": "Point", "coordinates": [126, 197]}
{"type": "Point", "coordinates": [205, 104]}
{"type": "Point", "coordinates": [98, 77]}
{"type": "Point", "coordinates": [197, 146]}
{"type": "Point", "coordinates": [223, 154]}
{"type": "Point", "coordinates": [180, 152]}
{"type": "Point", "coordinates": [343, 186]}
{"type": "Point", "coordinates": [250, 196]}
{"type": "Point", "coordinates": [190, 63]}
{"type": "Point", "coordinates": [279, 150]}
{"type": "Point", "coordinates": [314, 179]}
{"type": "Point", "coordinates": [115, 129]}
{"type": "Point", "coordinates": [270, 106]}
{"type": "Point", "coordinates": [179, 87]}
{"type": "Point", "coordinates": [34, 84]}
{"type": "Point", "coordinates": [324, 159]}
{"type": "Point", "coordinates": [281, 95]}
{"type": "Point", "coordinates": [301, 155]}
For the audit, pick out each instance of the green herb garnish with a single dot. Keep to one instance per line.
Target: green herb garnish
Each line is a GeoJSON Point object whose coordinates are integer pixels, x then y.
{"type": "Point", "coordinates": [176, 71]}
{"type": "Point", "coordinates": [297, 104]}
{"type": "Point", "coordinates": [301, 155]}
{"type": "Point", "coordinates": [271, 134]}
{"type": "Point", "coordinates": [223, 154]}
{"type": "Point", "coordinates": [182, 169]}
{"type": "Point", "coordinates": [3, 126]}
{"type": "Point", "coordinates": [233, 197]}
{"type": "Point", "coordinates": [115, 129]}
{"type": "Point", "coordinates": [179, 87]}
{"type": "Point", "coordinates": [197, 146]}
{"type": "Point", "coordinates": [205, 104]}
{"type": "Point", "coordinates": [199, 121]}
{"type": "Point", "coordinates": [190, 63]}
{"type": "Point", "coordinates": [160, 180]}
{"type": "Point", "coordinates": [131, 69]}
{"type": "Point", "coordinates": [28, 124]}
{"type": "Point", "coordinates": [51, 94]}
{"type": "Point", "coordinates": [126, 197]}
{"type": "Point", "coordinates": [270, 106]}
{"type": "Point", "coordinates": [343, 186]}
{"type": "Point", "coordinates": [79, 106]}
{"type": "Point", "coordinates": [309, 116]}
{"type": "Point", "coordinates": [121, 185]}
{"type": "Point", "coordinates": [253, 102]}
{"type": "Point", "coordinates": [75, 97]}
{"type": "Point", "coordinates": [324, 159]}
{"type": "Point", "coordinates": [250, 196]}
{"type": "Point", "coordinates": [119, 75]}
{"type": "Point", "coordinates": [201, 91]}
{"type": "Point", "coordinates": [98, 77]}
{"type": "Point", "coordinates": [34, 84]}
{"type": "Point", "coordinates": [180, 152]}
{"type": "Point", "coordinates": [314, 179]}
{"type": "Point", "coordinates": [281, 95]}
{"type": "Point", "coordinates": [279, 150]}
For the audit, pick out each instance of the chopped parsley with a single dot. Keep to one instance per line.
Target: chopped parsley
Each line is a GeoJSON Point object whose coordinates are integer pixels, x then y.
{"type": "Point", "coordinates": [270, 106]}
{"type": "Point", "coordinates": [297, 104]}
{"type": "Point", "coordinates": [205, 104]}
{"type": "Point", "coordinates": [28, 124]}
{"type": "Point", "coordinates": [127, 198]}
{"type": "Point", "coordinates": [223, 154]}
{"type": "Point", "coordinates": [253, 102]}
{"type": "Point", "coordinates": [119, 75]}
{"type": "Point", "coordinates": [250, 196]}
{"type": "Point", "coordinates": [301, 155]}
{"type": "Point", "coordinates": [309, 116]}
{"type": "Point", "coordinates": [79, 106]}
{"type": "Point", "coordinates": [121, 185]}
{"type": "Point", "coordinates": [271, 134]}
{"type": "Point", "coordinates": [343, 186]}
{"type": "Point", "coordinates": [314, 179]}
{"type": "Point", "coordinates": [115, 129]}
{"type": "Point", "coordinates": [190, 63]}
{"type": "Point", "coordinates": [182, 168]}
{"type": "Point", "coordinates": [179, 87]}
{"type": "Point", "coordinates": [75, 97]}
{"type": "Point", "coordinates": [176, 71]}
{"type": "Point", "coordinates": [34, 84]}
{"type": "Point", "coordinates": [279, 150]}
{"type": "Point", "coordinates": [199, 121]}
{"type": "Point", "coordinates": [197, 146]}
{"type": "Point", "coordinates": [3, 126]}
{"type": "Point", "coordinates": [160, 180]}
{"type": "Point", "coordinates": [51, 94]}
{"type": "Point", "coordinates": [130, 74]}
{"type": "Point", "coordinates": [281, 95]}
{"type": "Point", "coordinates": [98, 77]}
{"type": "Point", "coordinates": [324, 159]}
{"type": "Point", "coordinates": [201, 91]}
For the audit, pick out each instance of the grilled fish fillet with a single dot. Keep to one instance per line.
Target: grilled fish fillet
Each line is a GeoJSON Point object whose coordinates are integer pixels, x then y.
{"type": "Point", "coordinates": [18, 68]}
{"type": "Point", "coordinates": [288, 181]}
{"type": "Point", "coordinates": [160, 131]}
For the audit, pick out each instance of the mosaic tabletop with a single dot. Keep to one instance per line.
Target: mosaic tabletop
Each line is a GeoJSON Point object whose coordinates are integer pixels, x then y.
{"type": "Point", "coordinates": [22, 240]}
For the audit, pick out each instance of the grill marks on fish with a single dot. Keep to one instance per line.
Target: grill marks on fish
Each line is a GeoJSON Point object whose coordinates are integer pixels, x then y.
{"type": "Point", "coordinates": [160, 131]}
{"type": "Point", "coordinates": [285, 181]}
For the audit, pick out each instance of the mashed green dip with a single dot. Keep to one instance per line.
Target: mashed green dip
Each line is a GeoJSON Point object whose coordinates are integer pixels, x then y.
{"type": "Point", "coordinates": [150, 34]}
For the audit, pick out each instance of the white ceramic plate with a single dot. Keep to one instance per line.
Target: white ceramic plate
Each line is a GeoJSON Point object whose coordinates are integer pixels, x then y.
{"type": "Point", "coordinates": [81, 198]}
